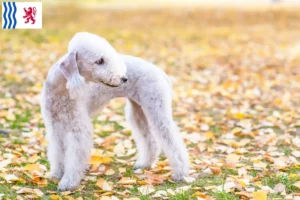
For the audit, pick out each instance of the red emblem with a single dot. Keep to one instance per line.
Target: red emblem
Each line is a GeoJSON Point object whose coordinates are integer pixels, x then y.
{"type": "Point", "coordinates": [30, 14]}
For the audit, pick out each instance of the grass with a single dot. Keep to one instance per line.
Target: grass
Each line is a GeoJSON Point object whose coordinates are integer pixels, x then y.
{"type": "Point", "coordinates": [273, 180]}
{"type": "Point", "coordinates": [229, 70]}
{"type": "Point", "coordinates": [181, 196]}
{"type": "Point", "coordinates": [224, 196]}
{"type": "Point", "coordinates": [286, 150]}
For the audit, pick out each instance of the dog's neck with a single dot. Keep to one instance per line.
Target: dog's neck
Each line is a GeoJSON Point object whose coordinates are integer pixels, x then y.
{"type": "Point", "coordinates": [56, 82]}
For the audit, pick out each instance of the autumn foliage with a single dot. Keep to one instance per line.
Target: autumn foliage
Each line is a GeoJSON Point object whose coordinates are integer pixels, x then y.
{"type": "Point", "coordinates": [236, 80]}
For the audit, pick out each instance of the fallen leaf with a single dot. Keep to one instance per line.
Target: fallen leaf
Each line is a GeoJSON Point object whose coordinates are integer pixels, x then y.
{"type": "Point", "coordinates": [119, 149]}
{"type": "Point", "coordinates": [126, 180]}
{"type": "Point", "coordinates": [296, 154]}
{"type": "Point", "coordinates": [233, 158]}
{"type": "Point", "coordinates": [146, 190]}
{"type": "Point", "coordinates": [183, 189]}
{"type": "Point", "coordinates": [100, 160]}
{"type": "Point", "coordinates": [260, 195]}
{"type": "Point", "coordinates": [279, 188]}
{"type": "Point", "coordinates": [110, 172]}
{"type": "Point", "coordinates": [216, 170]}
{"type": "Point", "coordinates": [55, 197]}
{"type": "Point", "coordinates": [297, 184]}
{"type": "Point", "coordinates": [103, 184]}
{"type": "Point", "coordinates": [11, 178]}
{"type": "Point", "coordinates": [36, 192]}
{"type": "Point", "coordinates": [160, 193]}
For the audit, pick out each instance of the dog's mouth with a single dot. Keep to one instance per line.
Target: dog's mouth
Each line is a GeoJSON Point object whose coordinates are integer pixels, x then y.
{"type": "Point", "coordinates": [107, 84]}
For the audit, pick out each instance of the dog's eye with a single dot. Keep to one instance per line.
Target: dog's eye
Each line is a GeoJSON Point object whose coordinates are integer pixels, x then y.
{"type": "Point", "coordinates": [100, 61]}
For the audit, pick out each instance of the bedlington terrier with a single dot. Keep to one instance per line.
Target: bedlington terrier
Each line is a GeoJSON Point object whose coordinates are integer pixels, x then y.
{"type": "Point", "coordinates": [81, 83]}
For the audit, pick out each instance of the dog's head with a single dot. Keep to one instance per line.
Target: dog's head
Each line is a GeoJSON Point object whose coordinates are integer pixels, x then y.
{"type": "Point", "coordinates": [92, 58]}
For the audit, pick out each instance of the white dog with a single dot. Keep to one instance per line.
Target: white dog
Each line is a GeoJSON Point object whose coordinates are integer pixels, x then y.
{"type": "Point", "coordinates": [81, 83]}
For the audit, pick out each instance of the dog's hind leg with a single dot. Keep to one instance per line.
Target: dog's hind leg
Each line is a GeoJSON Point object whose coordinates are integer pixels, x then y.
{"type": "Point", "coordinates": [148, 149]}
{"type": "Point", "coordinates": [78, 144]}
{"type": "Point", "coordinates": [161, 123]}
{"type": "Point", "coordinates": [55, 152]}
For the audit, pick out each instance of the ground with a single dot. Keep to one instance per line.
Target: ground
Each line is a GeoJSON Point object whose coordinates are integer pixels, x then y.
{"type": "Point", "coordinates": [235, 76]}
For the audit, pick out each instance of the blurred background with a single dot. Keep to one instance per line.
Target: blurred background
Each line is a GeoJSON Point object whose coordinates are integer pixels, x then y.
{"type": "Point", "coordinates": [211, 48]}
{"type": "Point", "coordinates": [232, 64]}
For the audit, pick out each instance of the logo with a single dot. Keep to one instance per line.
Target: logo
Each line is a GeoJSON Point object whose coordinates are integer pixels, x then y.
{"type": "Point", "coordinates": [22, 15]}
{"type": "Point", "coordinates": [30, 14]}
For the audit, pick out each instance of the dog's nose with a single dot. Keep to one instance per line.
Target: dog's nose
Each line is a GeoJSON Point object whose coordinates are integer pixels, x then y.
{"type": "Point", "coordinates": [124, 79]}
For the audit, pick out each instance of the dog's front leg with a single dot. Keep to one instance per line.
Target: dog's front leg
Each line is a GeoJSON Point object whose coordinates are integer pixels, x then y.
{"type": "Point", "coordinates": [55, 153]}
{"type": "Point", "coordinates": [78, 144]}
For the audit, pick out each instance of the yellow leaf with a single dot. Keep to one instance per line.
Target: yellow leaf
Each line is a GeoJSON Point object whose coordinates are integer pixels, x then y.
{"type": "Point", "coordinates": [33, 167]}
{"type": "Point", "coordinates": [260, 195]}
{"type": "Point", "coordinates": [109, 172]}
{"type": "Point", "coordinates": [33, 158]}
{"type": "Point", "coordinates": [40, 181]}
{"type": "Point", "coordinates": [239, 116]}
{"type": "Point", "coordinates": [199, 194]}
{"type": "Point", "coordinates": [297, 184]}
{"type": "Point", "coordinates": [294, 176]}
{"type": "Point", "coordinates": [10, 116]}
{"type": "Point", "coordinates": [95, 160]}
{"type": "Point", "coordinates": [259, 164]}
{"type": "Point", "coordinates": [37, 192]}
{"type": "Point", "coordinates": [122, 170]}
{"type": "Point", "coordinates": [210, 135]}
{"type": "Point", "coordinates": [233, 158]}
{"type": "Point", "coordinates": [257, 183]}
{"type": "Point", "coordinates": [100, 160]}
{"type": "Point", "coordinates": [243, 182]}
{"type": "Point", "coordinates": [236, 130]}
{"type": "Point", "coordinates": [101, 183]}
{"type": "Point", "coordinates": [126, 180]}
{"type": "Point", "coordinates": [55, 197]}
{"type": "Point", "coordinates": [66, 193]}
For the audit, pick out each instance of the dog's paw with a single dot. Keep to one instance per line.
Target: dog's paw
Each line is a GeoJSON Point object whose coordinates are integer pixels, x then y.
{"type": "Point", "coordinates": [139, 165]}
{"type": "Point", "coordinates": [56, 176]}
{"type": "Point", "coordinates": [179, 177]}
{"type": "Point", "coordinates": [67, 185]}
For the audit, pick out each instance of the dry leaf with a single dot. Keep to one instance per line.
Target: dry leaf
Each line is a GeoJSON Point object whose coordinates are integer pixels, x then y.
{"type": "Point", "coordinates": [55, 197]}
{"type": "Point", "coordinates": [260, 195]}
{"type": "Point", "coordinates": [146, 190]}
{"type": "Point", "coordinates": [36, 192]}
{"type": "Point", "coordinates": [126, 180]}
{"type": "Point", "coordinates": [233, 158]}
{"type": "Point", "coordinates": [216, 170]}
{"type": "Point", "coordinates": [110, 172]}
{"type": "Point", "coordinates": [297, 184]}
{"type": "Point", "coordinates": [119, 149]}
{"type": "Point", "coordinates": [279, 188]}
{"type": "Point", "coordinates": [101, 183]}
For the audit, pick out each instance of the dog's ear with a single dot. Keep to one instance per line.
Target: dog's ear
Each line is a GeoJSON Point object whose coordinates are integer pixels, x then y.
{"type": "Point", "coordinates": [68, 67]}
